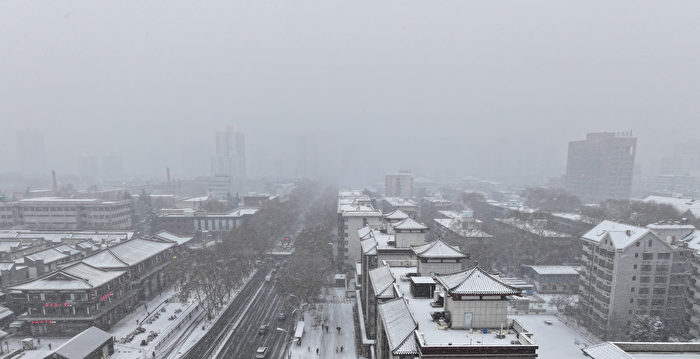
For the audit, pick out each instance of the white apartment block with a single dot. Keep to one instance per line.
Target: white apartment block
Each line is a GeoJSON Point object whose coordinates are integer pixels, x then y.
{"type": "Point", "coordinates": [629, 271]}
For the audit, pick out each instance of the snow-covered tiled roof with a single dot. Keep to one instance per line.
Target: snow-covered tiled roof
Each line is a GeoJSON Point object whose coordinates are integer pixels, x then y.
{"type": "Point", "coordinates": [78, 276]}
{"type": "Point", "coordinates": [545, 269]}
{"type": "Point", "coordinates": [475, 281]}
{"type": "Point", "coordinates": [7, 246]}
{"type": "Point", "coordinates": [620, 234]}
{"type": "Point", "coordinates": [396, 215]}
{"type": "Point", "coordinates": [409, 224]}
{"type": "Point", "coordinates": [681, 205]}
{"type": "Point", "coordinates": [399, 326]}
{"type": "Point", "coordinates": [105, 259]}
{"type": "Point", "coordinates": [364, 232]}
{"type": "Point", "coordinates": [382, 280]}
{"type": "Point", "coordinates": [138, 250]}
{"type": "Point", "coordinates": [173, 237]}
{"type": "Point", "coordinates": [81, 345]}
{"type": "Point", "coordinates": [438, 249]}
{"type": "Point", "coordinates": [369, 246]}
{"type": "Point", "coordinates": [606, 350]}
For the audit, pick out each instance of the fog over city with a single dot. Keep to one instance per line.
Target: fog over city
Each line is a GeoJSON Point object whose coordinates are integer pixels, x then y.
{"type": "Point", "coordinates": [492, 89]}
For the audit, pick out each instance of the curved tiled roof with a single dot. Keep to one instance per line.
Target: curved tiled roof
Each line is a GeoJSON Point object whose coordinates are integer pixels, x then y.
{"type": "Point", "coordinates": [409, 224]}
{"type": "Point", "coordinates": [475, 281]}
{"type": "Point", "coordinates": [438, 249]}
{"type": "Point", "coordinates": [399, 326]}
{"type": "Point", "coordinates": [396, 214]}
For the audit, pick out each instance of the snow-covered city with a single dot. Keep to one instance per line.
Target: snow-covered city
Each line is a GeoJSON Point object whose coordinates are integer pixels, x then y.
{"type": "Point", "coordinates": [321, 179]}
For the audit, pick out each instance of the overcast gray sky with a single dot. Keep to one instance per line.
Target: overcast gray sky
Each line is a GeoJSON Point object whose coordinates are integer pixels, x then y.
{"type": "Point", "coordinates": [492, 88]}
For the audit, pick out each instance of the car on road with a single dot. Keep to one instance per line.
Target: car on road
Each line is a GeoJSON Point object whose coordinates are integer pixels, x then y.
{"type": "Point", "coordinates": [281, 316]}
{"type": "Point", "coordinates": [261, 353]}
{"type": "Point", "coordinates": [548, 322]}
{"type": "Point", "coordinates": [263, 329]}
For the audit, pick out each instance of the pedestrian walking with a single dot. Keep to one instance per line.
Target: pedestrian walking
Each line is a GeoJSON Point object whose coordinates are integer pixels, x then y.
{"type": "Point", "coordinates": [341, 348]}
{"type": "Point", "coordinates": [317, 351]}
{"type": "Point", "coordinates": [336, 349]}
{"type": "Point", "coordinates": [49, 346]}
{"type": "Point", "coordinates": [309, 349]}
{"type": "Point", "coordinates": [338, 329]}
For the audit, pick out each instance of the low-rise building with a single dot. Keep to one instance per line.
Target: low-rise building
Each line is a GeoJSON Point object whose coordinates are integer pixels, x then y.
{"type": "Point", "coordinates": [74, 298]}
{"type": "Point", "coordinates": [354, 212]}
{"type": "Point", "coordinates": [552, 278]}
{"type": "Point", "coordinates": [92, 343]}
{"type": "Point", "coordinates": [189, 221]}
{"type": "Point", "coordinates": [68, 213]}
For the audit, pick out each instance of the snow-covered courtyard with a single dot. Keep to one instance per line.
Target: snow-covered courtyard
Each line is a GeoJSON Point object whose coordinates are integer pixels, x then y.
{"type": "Point", "coordinates": [556, 340]}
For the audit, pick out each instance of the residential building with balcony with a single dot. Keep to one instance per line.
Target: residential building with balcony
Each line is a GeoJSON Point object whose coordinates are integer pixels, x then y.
{"type": "Point", "coordinates": [629, 271]}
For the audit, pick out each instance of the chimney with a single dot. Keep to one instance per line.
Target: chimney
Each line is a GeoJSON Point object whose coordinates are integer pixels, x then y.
{"type": "Point", "coordinates": [55, 186]}
{"type": "Point", "coordinates": [167, 174]}
{"type": "Point", "coordinates": [628, 233]}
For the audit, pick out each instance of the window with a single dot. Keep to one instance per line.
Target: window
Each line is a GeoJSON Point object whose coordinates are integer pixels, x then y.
{"type": "Point", "coordinates": [643, 290]}
{"type": "Point", "coordinates": [634, 277]}
{"type": "Point", "coordinates": [663, 256]}
{"type": "Point", "coordinates": [659, 290]}
{"type": "Point", "coordinates": [648, 256]}
{"type": "Point", "coordinates": [631, 300]}
{"type": "Point", "coordinates": [636, 255]}
{"type": "Point", "coordinates": [659, 279]}
{"type": "Point", "coordinates": [646, 268]}
{"type": "Point", "coordinates": [644, 279]}
{"type": "Point", "coordinates": [650, 243]}
{"type": "Point", "coordinates": [638, 243]}
{"type": "Point", "coordinates": [642, 301]}
{"type": "Point", "coordinates": [634, 266]}
{"type": "Point", "coordinates": [632, 289]}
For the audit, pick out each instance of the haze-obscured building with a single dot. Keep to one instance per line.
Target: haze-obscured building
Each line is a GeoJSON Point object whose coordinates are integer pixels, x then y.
{"type": "Point", "coordinates": [601, 166]}
{"type": "Point", "coordinates": [398, 185]}
{"type": "Point", "coordinates": [228, 166]}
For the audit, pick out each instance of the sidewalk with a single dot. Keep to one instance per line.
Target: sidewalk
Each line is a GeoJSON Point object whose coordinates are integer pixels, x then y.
{"type": "Point", "coordinates": [336, 312]}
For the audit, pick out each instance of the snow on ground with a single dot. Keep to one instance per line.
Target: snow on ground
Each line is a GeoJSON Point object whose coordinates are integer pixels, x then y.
{"type": "Point", "coordinates": [337, 311]}
{"type": "Point", "coordinates": [42, 346]}
{"type": "Point", "coordinates": [180, 332]}
{"type": "Point", "coordinates": [555, 341]}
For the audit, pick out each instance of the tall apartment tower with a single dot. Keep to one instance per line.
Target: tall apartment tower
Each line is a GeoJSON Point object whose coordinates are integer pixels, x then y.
{"type": "Point", "coordinates": [601, 166]}
{"type": "Point", "coordinates": [629, 271]}
{"type": "Point", "coordinates": [398, 185]}
{"type": "Point", "coordinates": [228, 166]}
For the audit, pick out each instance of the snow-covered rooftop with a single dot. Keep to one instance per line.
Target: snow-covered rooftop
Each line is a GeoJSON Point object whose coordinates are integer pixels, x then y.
{"type": "Point", "coordinates": [382, 281]}
{"type": "Point", "coordinates": [81, 345]}
{"type": "Point", "coordinates": [409, 224]}
{"type": "Point", "coordinates": [78, 276]}
{"type": "Point", "coordinates": [131, 252]}
{"type": "Point", "coordinates": [606, 350]}
{"type": "Point", "coordinates": [554, 269]}
{"type": "Point", "coordinates": [173, 237]}
{"type": "Point", "coordinates": [399, 326]}
{"type": "Point", "coordinates": [396, 215]}
{"type": "Point", "coordinates": [438, 249]}
{"type": "Point", "coordinates": [681, 205]}
{"type": "Point", "coordinates": [620, 234]}
{"type": "Point", "coordinates": [475, 281]}
{"type": "Point", "coordinates": [47, 255]}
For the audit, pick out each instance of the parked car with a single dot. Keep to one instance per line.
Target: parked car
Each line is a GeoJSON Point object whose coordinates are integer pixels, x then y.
{"type": "Point", "coordinates": [261, 353]}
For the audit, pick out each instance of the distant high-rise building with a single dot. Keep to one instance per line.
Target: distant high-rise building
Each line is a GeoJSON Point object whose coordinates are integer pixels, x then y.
{"type": "Point", "coordinates": [399, 185]}
{"type": "Point", "coordinates": [307, 157]}
{"type": "Point", "coordinates": [31, 152]}
{"type": "Point", "coordinates": [228, 166]}
{"type": "Point", "coordinates": [601, 166]}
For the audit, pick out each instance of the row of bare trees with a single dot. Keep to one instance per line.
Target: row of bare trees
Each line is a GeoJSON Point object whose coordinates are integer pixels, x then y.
{"type": "Point", "coordinates": [212, 273]}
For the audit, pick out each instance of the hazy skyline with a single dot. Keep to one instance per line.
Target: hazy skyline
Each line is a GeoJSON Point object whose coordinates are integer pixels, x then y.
{"type": "Point", "coordinates": [480, 87]}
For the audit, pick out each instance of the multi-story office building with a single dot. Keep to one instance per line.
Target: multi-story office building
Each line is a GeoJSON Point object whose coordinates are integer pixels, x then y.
{"type": "Point", "coordinates": [228, 166]}
{"type": "Point", "coordinates": [601, 166]}
{"type": "Point", "coordinates": [629, 271]}
{"type": "Point", "coordinates": [398, 185]}
{"type": "Point", "coordinates": [67, 213]}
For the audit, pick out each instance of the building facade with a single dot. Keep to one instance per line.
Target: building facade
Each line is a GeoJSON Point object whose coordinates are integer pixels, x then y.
{"type": "Point", "coordinates": [67, 213]}
{"type": "Point", "coordinates": [629, 271]}
{"type": "Point", "coordinates": [601, 166]}
{"type": "Point", "coordinates": [398, 185]}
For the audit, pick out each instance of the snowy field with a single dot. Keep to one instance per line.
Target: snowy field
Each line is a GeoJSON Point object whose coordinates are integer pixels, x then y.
{"type": "Point", "coordinates": [555, 341]}
{"type": "Point", "coordinates": [337, 311]}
